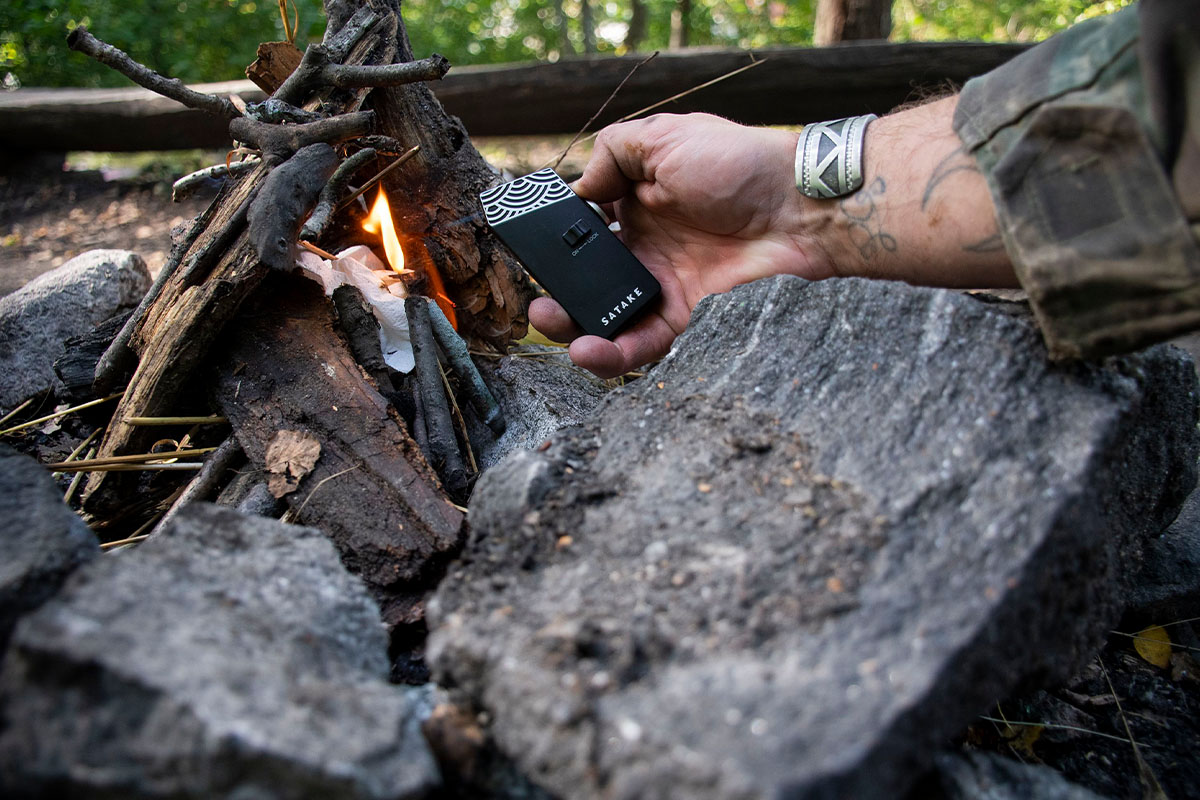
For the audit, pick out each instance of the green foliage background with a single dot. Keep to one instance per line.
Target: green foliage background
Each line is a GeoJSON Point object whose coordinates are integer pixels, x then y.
{"type": "Point", "coordinates": [209, 40]}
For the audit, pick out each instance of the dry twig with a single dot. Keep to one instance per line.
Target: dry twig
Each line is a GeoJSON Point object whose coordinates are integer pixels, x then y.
{"type": "Point", "coordinates": [82, 41]}
{"type": "Point", "coordinates": [672, 99]}
{"type": "Point", "coordinates": [603, 106]}
{"type": "Point", "coordinates": [151, 421]}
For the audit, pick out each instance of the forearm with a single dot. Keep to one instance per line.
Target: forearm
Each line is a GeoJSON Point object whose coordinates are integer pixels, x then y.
{"type": "Point", "coordinates": [924, 213]}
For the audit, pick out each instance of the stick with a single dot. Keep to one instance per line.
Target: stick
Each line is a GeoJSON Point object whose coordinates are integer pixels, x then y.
{"type": "Point", "coordinates": [279, 141]}
{"type": "Point", "coordinates": [675, 97]}
{"type": "Point", "coordinates": [343, 31]}
{"type": "Point", "coordinates": [318, 71]}
{"type": "Point", "coordinates": [78, 477]}
{"type": "Point", "coordinates": [319, 220]}
{"type": "Point", "coordinates": [75, 453]}
{"type": "Point", "coordinates": [120, 542]}
{"type": "Point", "coordinates": [82, 41]}
{"type": "Point", "coordinates": [412, 151]}
{"type": "Point", "coordinates": [58, 414]}
{"type": "Point", "coordinates": [460, 361]}
{"type": "Point", "coordinates": [147, 421]}
{"type": "Point", "coordinates": [442, 442]}
{"type": "Point", "coordinates": [312, 248]}
{"type": "Point", "coordinates": [184, 187]}
{"type": "Point", "coordinates": [321, 483]}
{"type": "Point", "coordinates": [16, 411]}
{"type": "Point", "coordinates": [456, 413]}
{"type": "Point", "coordinates": [207, 479]}
{"type": "Point", "coordinates": [63, 466]}
{"type": "Point", "coordinates": [182, 465]}
{"type": "Point", "coordinates": [603, 106]}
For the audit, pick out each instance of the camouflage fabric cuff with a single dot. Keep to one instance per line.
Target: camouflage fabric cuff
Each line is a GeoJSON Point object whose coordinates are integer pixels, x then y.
{"type": "Point", "coordinates": [1073, 158]}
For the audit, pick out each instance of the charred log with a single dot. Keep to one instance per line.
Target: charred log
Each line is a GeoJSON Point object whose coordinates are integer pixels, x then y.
{"type": "Point", "coordinates": [371, 490]}
{"type": "Point", "coordinates": [281, 141]}
{"type": "Point", "coordinates": [439, 426]}
{"type": "Point", "coordinates": [285, 200]}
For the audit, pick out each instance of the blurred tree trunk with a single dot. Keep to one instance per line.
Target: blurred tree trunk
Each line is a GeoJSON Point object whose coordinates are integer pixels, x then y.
{"type": "Point", "coordinates": [849, 20]}
{"type": "Point", "coordinates": [564, 34]}
{"type": "Point", "coordinates": [638, 19]}
{"type": "Point", "coordinates": [588, 22]}
{"type": "Point", "coordinates": [680, 20]}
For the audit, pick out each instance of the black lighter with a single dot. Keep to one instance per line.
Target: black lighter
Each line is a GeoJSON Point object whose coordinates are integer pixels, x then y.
{"type": "Point", "coordinates": [570, 251]}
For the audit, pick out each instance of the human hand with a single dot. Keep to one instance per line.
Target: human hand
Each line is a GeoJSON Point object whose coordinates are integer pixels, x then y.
{"type": "Point", "coordinates": [705, 204]}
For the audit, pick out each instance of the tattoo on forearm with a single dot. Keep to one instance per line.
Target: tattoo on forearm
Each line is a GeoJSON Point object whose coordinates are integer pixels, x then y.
{"type": "Point", "coordinates": [866, 226]}
{"type": "Point", "coordinates": [955, 162]}
{"type": "Point", "coordinates": [988, 244]}
{"type": "Point", "coordinates": [959, 160]}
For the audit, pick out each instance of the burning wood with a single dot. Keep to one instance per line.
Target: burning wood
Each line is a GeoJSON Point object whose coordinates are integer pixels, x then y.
{"type": "Point", "coordinates": [284, 367]}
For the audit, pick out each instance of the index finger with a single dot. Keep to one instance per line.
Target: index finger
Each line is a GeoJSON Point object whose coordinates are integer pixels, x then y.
{"type": "Point", "coordinates": [617, 162]}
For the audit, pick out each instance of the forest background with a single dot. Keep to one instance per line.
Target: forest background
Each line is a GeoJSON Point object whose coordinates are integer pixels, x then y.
{"type": "Point", "coordinates": [212, 40]}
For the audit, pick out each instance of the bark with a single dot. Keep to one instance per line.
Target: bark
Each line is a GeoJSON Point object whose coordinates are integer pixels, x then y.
{"type": "Point", "coordinates": [852, 20]}
{"type": "Point", "coordinates": [275, 61]}
{"type": "Point", "coordinates": [371, 491]}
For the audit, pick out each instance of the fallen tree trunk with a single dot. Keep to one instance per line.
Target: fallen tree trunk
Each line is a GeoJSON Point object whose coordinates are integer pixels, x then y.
{"type": "Point", "coordinates": [794, 85]}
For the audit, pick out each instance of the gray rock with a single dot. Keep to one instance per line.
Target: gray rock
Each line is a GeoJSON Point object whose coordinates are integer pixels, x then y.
{"type": "Point", "coordinates": [43, 541]}
{"type": "Point", "coordinates": [229, 656]}
{"type": "Point", "coordinates": [37, 319]}
{"type": "Point", "coordinates": [1168, 585]}
{"type": "Point", "coordinates": [540, 391]}
{"type": "Point", "coordinates": [987, 776]}
{"type": "Point", "coordinates": [832, 526]}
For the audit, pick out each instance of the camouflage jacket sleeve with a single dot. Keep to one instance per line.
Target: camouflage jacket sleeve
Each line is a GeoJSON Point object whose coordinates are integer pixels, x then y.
{"type": "Point", "coordinates": [1091, 150]}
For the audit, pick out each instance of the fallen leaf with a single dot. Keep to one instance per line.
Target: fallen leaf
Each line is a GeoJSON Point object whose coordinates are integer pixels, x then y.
{"type": "Point", "coordinates": [1154, 645]}
{"type": "Point", "coordinates": [290, 456]}
{"type": "Point", "coordinates": [1021, 738]}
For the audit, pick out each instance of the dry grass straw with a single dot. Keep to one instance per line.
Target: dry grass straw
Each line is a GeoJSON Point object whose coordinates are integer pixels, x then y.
{"type": "Point", "coordinates": [140, 459]}
{"type": "Point", "coordinates": [58, 414]}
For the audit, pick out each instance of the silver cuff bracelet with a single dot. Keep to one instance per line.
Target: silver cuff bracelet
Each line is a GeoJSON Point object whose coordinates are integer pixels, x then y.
{"type": "Point", "coordinates": [829, 157]}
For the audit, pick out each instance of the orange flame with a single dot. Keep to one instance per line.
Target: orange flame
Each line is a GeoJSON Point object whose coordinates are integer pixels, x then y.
{"type": "Point", "coordinates": [379, 221]}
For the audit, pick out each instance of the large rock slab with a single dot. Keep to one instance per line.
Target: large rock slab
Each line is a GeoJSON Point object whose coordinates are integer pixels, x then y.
{"type": "Point", "coordinates": [1168, 586]}
{"type": "Point", "coordinates": [540, 391]}
{"type": "Point", "coordinates": [37, 319]}
{"type": "Point", "coordinates": [987, 776]}
{"type": "Point", "coordinates": [229, 656]}
{"type": "Point", "coordinates": [42, 539]}
{"type": "Point", "coordinates": [832, 526]}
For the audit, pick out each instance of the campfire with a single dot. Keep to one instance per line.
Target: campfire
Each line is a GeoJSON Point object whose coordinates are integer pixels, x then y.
{"type": "Point", "coordinates": [357, 404]}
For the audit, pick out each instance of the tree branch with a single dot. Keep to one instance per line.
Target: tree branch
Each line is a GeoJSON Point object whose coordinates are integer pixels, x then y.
{"type": "Point", "coordinates": [84, 42]}
{"type": "Point", "coordinates": [323, 213]}
{"type": "Point", "coordinates": [280, 141]}
{"type": "Point", "coordinates": [318, 71]}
